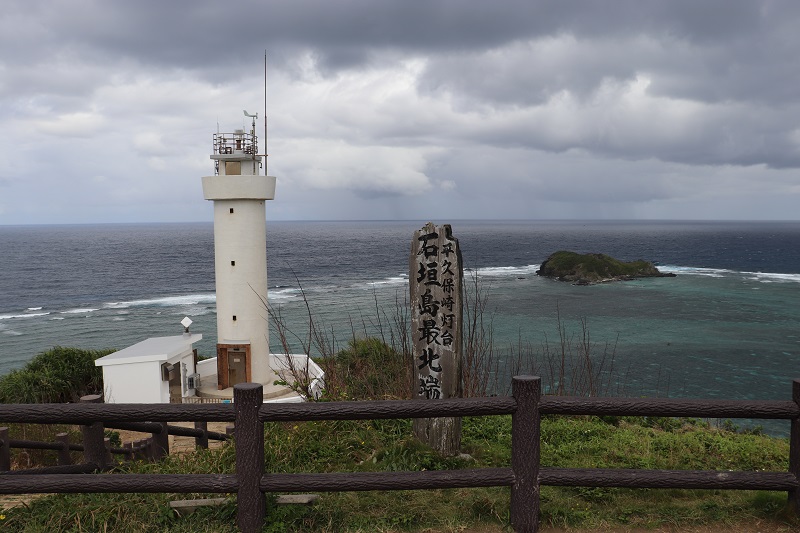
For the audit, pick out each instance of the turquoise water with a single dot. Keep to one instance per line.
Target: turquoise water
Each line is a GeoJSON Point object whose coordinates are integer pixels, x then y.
{"type": "Point", "coordinates": [727, 326]}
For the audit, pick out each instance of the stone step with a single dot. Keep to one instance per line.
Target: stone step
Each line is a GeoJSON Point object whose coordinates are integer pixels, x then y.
{"type": "Point", "coordinates": [185, 507]}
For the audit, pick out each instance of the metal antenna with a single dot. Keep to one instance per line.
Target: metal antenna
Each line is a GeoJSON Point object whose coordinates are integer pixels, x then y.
{"type": "Point", "coordinates": [266, 154]}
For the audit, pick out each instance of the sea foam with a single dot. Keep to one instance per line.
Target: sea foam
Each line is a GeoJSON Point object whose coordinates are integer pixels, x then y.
{"type": "Point", "coordinates": [79, 311]}
{"type": "Point", "coordinates": [26, 315]}
{"type": "Point", "coordinates": [764, 277]}
{"type": "Point", "coordinates": [166, 301]}
{"type": "Point", "coordinates": [526, 270]}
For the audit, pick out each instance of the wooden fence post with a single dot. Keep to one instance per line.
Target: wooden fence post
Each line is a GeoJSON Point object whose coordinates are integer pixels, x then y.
{"type": "Point", "coordinates": [794, 450]}
{"type": "Point", "coordinates": [250, 501]}
{"type": "Point", "coordinates": [94, 449]}
{"type": "Point", "coordinates": [525, 447]}
{"type": "Point", "coordinates": [129, 446]}
{"type": "Point", "coordinates": [201, 442]}
{"type": "Point", "coordinates": [107, 457]}
{"type": "Point", "coordinates": [141, 449]}
{"type": "Point", "coordinates": [161, 442]}
{"type": "Point", "coordinates": [148, 448]}
{"type": "Point", "coordinates": [5, 450]}
{"type": "Point", "coordinates": [64, 458]}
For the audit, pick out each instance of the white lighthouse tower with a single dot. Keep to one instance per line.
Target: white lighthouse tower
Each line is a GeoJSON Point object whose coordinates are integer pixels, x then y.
{"type": "Point", "coordinates": [239, 190]}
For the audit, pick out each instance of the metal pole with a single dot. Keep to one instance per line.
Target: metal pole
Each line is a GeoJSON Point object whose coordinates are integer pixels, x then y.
{"type": "Point", "coordinates": [266, 153]}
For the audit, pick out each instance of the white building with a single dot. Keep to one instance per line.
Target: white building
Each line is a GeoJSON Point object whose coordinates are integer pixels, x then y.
{"type": "Point", "coordinates": [156, 370]}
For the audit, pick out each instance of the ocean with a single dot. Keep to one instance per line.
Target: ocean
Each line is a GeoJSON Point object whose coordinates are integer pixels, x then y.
{"type": "Point", "coordinates": [728, 326]}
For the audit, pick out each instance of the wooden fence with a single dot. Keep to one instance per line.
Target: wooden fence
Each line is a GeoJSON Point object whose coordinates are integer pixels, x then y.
{"type": "Point", "coordinates": [524, 476]}
{"type": "Point", "coordinates": [152, 448]}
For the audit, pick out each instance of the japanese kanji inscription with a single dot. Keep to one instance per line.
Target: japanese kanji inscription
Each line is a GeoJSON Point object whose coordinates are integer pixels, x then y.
{"type": "Point", "coordinates": [435, 280]}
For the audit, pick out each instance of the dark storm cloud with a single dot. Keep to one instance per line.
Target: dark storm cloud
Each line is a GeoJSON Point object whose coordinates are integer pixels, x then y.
{"type": "Point", "coordinates": [735, 48]}
{"type": "Point", "coordinates": [380, 99]}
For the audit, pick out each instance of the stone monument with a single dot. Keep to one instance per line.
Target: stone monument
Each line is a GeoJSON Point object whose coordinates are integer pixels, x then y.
{"type": "Point", "coordinates": [435, 281]}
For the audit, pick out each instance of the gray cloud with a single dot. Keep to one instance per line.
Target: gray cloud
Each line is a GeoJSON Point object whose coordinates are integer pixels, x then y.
{"type": "Point", "coordinates": [511, 109]}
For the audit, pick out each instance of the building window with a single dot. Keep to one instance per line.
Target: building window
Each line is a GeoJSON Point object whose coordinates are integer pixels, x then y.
{"type": "Point", "coordinates": [234, 318]}
{"type": "Point", "coordinates": [233, 263]}
{"type": "Point", "coordinates": [231, 210]}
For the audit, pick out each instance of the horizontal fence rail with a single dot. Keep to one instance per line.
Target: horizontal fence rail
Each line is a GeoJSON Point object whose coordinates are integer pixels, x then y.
{"type": "Point", "coordinates": [525, 475]}
{"type": "Point", "coordinates": [385, 409]}
{"type": "Point", "coordinates": [666, 479]}
{"type": "Point", "coordinates": [79, 413]}
{"type": "Point", "coordinates": [759, 409]}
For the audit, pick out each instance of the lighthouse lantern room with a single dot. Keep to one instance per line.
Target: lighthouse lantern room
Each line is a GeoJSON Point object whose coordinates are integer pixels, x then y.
{"type": "Point", "coordinates": [239, 190]}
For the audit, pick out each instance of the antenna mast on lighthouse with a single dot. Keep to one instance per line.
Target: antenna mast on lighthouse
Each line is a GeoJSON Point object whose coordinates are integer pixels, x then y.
{"type": "Point", "coordinates": [266, 153]}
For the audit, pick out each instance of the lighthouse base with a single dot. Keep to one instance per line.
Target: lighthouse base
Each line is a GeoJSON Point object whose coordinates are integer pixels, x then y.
{"type": "Point", "coordinates": [209, 391]}
{"type": "Point", "coordinates": [283, 368]}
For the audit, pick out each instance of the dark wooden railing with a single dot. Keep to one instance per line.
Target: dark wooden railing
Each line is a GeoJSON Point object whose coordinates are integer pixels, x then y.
{"type": "Point", "coordinates": [152, 448]}
{"type": "Point", "coordinates": [524, 476]}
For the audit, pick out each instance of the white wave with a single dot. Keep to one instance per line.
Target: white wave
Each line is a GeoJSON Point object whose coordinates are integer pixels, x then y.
{"type": "Point", "coordinates": [165, 301]}
{"type": "Point", "coordinates": [283, 294]}
{"type": "Point", "coordinates": [764, 277]}
{"type": "Point", "coordinates": [396, 280]}
{"type": "Point", "coordinates": [26, 315]}
{"type": "Point", "coordinates": [696, 271]}
{"type": "Point", "coordinates": [195, 310]}
{"type": "Point", "coordinates": [526, 270]}
{"type": "Point", "coordinates": [57, 318]}
{"type": "Point", "coordinates": [79, 311]}
{"type": "Point", "coordinates": [773, 277]}
{"type": "Point", "coordinates": [34, 309]}
{"type": "Point", "coordinates": [11, 332]}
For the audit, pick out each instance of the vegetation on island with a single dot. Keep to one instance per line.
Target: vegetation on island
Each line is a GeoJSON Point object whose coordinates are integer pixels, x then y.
{"type": "Point", "coordinates": [389, 445]}
{"type": "Point", "coordinates": [586, 269]}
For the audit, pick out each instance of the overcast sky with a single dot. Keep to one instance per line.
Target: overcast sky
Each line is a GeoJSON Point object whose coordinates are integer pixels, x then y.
{"type": "Point", "coordinates": [424, 110]}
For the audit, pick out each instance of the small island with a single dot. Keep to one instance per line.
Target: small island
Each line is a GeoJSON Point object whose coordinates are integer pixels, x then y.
{"type": "Point", "coordinates": [588, 269]}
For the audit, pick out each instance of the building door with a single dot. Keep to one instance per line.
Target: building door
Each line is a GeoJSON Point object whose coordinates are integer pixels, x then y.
{"type": "Point", "coordinates": [233, 364]}
{"type": "Point", "coordinates": [175, 392]}
{"type": "Point", "coordinates": [237, 366]}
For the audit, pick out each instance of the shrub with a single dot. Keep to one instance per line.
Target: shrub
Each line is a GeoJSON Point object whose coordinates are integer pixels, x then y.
{"type": "Point", "coordinates": [368, 369]}
{"type": "Point", "coordinates": [58, 375]}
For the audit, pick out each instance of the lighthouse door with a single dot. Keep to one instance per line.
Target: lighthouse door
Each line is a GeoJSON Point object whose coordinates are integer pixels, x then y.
{"type": "Point", "coordinates": [233, 364]}
{"type": "Point", "coordinates": [237, 366]}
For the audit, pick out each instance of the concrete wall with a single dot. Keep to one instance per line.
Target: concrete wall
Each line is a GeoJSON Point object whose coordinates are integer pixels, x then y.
{"type": "Point", "coordinates": [133, 383]}
{"type": "Point", "coordinates": [240, 244]}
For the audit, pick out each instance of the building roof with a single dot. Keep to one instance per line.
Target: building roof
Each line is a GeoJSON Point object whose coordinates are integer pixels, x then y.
{"type": "Point", "coordinates": [152, 349]}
